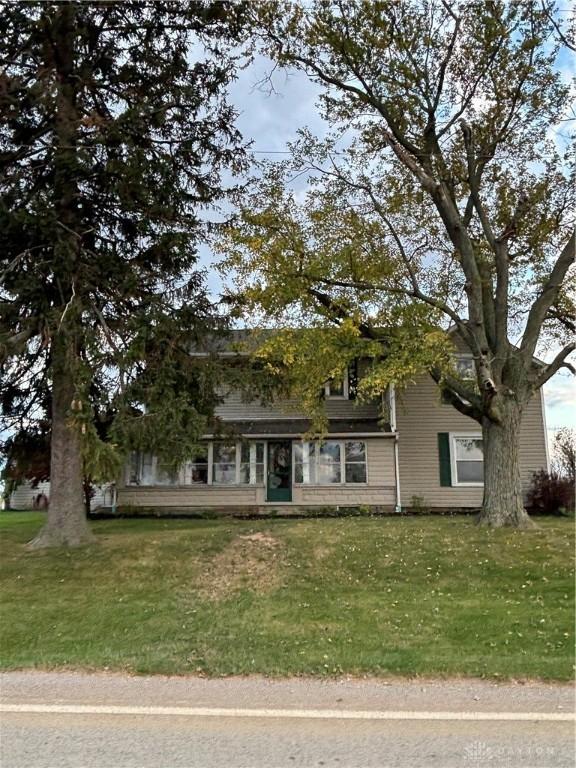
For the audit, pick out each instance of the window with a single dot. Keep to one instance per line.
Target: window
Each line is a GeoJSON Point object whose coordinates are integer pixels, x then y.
{"type": "Point", "coordinates": [238, 463]}
{"type": "Point", "coordinates": [466, 371]}
{"type": "Point", "coordinates": [467, 459]}
{"type": "Point", "coordinates": [305, 463]}
{"type": "Point", "coordinates": [330, 462]}
{"type": "Point", "coordinates": [337, 388]}
{"type": "Point", "coordinates": [251, 463]}
{"type": "Point", "coordinates": [196, 470]}
{"type": "Point", "coordinates": [146, 469]}
{"type": "Point", "coordinates": [224, 464]}
{"type": "Point", "coordinates": [134, 469]}
{"type": "Point", "coordinates": [355, 462]}
{"type": "Point", "coordinates": [465, 368]}
{"type": "Point", "coordinates": [166, 473]}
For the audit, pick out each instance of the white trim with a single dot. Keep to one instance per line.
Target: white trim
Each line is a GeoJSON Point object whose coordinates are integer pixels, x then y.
{"type": "Point", "coordinates": [345, 389]}
{"type": "Point", "coordinates": [292, 436]}
{"type": "Point", "coordinates": [453, 468]}
{"type": "Point", "coordinates": [546, 446]}
{"type": "Point", "coordinates": [210, 462]}
{"type": "Point", "coordinates": [342, 443]}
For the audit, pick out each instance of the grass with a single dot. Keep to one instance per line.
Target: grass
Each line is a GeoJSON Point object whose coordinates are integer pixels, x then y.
{"type": "Point", "coordinates": [388, 596]}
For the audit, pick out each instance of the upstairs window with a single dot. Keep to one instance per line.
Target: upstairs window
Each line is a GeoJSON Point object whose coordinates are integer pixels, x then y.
{"type": "Point", "coordinates": [466, 371]}
{"type": "Point", "coordinates": [465, 367]}
{"type": "Point", "coordinates": [337, 389]}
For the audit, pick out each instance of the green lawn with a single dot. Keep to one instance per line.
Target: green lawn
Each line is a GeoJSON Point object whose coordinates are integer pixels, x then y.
{"type": "Point", "coordinates": [379, 596]}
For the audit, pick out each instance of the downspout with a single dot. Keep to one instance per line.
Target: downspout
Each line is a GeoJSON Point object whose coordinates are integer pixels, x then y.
{"type": "Point", "coordinates": [393, 428]}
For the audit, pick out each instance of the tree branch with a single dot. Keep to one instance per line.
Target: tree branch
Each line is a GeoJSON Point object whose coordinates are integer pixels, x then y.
{"type": "Point", "coordinates": [546, 299]}
{"type": "Point", "coordinates": [340, 313]}
{"type": "Point", "coordinates": [553, 367]}
{"type": "Point", "coordinates": [465, 408]}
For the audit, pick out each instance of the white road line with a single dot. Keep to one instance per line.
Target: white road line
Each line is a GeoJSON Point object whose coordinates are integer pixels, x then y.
{"type": "Point", "coordinates": [304, 714]}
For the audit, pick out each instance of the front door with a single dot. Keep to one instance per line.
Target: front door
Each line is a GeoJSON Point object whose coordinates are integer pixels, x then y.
{"type": "Point", "coordinates": [279, 480]}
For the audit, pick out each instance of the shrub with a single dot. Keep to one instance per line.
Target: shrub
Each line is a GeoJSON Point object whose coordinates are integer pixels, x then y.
{"type": "Point", "coordinates": [550, 494]}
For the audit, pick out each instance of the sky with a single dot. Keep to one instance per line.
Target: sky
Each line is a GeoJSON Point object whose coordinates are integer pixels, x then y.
{"type": "Point", "coordinates": [271, 121]}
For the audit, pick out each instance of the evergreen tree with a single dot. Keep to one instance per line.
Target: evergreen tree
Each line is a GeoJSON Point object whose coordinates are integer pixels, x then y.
{"type": "Point", "coordinates": [114, 134]}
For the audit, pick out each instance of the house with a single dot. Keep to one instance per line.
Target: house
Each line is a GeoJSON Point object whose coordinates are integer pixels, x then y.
{"type": "Point", "coordinates": [26, 495]}
{"type": "Point", "coordinates": [425, 455]}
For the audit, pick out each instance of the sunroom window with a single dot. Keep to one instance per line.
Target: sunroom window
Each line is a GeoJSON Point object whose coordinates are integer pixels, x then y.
{"type": "Point", "coordinates": [196, 470]}
{"type": "Point", "coordinates": [355, 462]}
{"type": "Point", "coordinates": [240, 463]}
{"type": "Point", "coordinates": [330, 462]}
{"type": "Point", "coordinates": [146, 469]}
{"type": "Point", "coordinates": [166, 473]}
{"type": "Point", "coordinates": [224, 464]}
{"type": "Point", "coordinates": [251, 463]}
{"type": "Point", "coordinates": [305, 463]}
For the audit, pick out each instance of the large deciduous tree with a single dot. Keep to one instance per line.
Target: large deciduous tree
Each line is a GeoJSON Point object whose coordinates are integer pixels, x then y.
{"type": "Point", "coordinates": [114, 134]}
{"type": "Point", "coordinates": [444, 186]}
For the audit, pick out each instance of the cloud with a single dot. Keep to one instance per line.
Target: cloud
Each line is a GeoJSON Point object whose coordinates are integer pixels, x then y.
{"type": "Point", "coordinates": [560, 398]}
{"type": "Point", "coordinates": [271, 113]}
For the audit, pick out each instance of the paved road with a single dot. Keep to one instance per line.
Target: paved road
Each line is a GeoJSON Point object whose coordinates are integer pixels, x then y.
{"type": "Point", "coordinates": [112, 721]}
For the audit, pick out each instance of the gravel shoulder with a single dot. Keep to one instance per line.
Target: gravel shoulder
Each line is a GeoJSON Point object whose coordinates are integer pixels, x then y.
{"type": "Point", "coordinates": [32, 687]}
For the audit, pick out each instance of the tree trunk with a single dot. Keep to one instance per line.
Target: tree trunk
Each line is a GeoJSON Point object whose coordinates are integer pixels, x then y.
{"type": "Point", "coordinates": [66, 525]}
{"type": "Point", "coordinates": [503, 503]}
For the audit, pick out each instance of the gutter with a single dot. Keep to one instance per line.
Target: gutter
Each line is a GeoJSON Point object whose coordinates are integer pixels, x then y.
{"type": "Point", "coordinates": [394, 430]}
{"type": "Point", "coordinates": [293, 436]}
{"type": "Point", "coordinates": [398, 507]}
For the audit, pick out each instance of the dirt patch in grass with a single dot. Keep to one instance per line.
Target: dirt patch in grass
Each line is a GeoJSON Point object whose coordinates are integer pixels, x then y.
{"type": "Point", "coordinates": [321, 552]}
{"type": "Point", "coordinates": [251, 561]}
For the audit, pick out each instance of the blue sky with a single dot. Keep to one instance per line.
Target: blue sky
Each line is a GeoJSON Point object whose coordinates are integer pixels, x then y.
{"type": "Point", "coordinates": [270, 121]}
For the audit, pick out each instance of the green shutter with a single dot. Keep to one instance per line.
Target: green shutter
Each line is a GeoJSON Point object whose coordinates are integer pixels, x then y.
{"type": "Point", "coordinates": [444, 459]}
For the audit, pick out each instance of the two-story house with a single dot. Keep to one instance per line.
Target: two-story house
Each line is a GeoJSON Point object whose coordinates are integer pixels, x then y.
{"type": "Point", "coordinates": [422, 453]}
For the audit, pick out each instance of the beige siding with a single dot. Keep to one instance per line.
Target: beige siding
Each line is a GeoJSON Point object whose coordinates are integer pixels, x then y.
{"type": "Point", "coordinates": [346, 496]}
{"type": "Point", "coordinates": [205, 496]}
{"type": "Point", "coordinates": [420, 417]}
{"type": "Point", "coordinates": [234, 407]}
{"type": "Point", "coordinates": [379, 489]}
